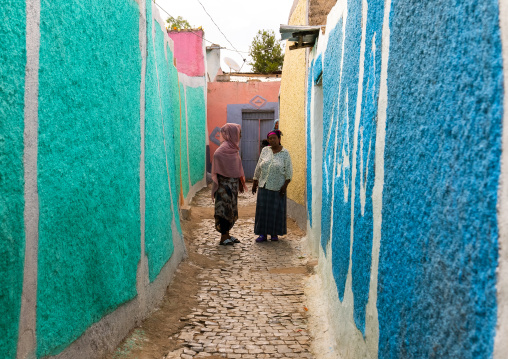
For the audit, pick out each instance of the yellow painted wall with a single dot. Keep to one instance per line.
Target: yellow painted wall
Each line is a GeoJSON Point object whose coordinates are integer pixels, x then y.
{"type": "Point", "coordinates": [292, 107]}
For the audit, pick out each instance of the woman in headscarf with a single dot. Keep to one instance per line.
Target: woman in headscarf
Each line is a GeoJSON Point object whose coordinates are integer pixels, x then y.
{"type": "Point", "coordinates": [228, 178]}
{"type": "Point", "coordinates": [273, 174]}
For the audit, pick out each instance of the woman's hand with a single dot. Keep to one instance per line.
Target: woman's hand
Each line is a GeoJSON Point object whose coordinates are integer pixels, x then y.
{"type": "Point", "coordinates": [284, 188]}
{"type": "Point", "coordinates": [254, 187]}
{"type": "Point", "coordinates": [240, 186]}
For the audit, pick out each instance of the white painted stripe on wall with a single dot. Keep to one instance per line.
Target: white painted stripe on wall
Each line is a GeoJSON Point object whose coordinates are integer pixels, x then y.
{"type": "Point", "coordinates": [372, 320]}
{"type": "Point", "coordinates": [501, 342]}
{"type": "Point", "coordinates": [27, 343]}
{"type": "Point", "coordinates": [358, 113]}
{"type": "Point", "coordinates": [142, 279]}
{"type": "Point", "coordinates": [187, 144]}
{"type": "Point", "coordinates": [192, 81]}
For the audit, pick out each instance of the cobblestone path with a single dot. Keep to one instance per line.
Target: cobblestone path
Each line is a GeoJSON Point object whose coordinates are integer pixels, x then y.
{"type": "Point", "coordinates": [249, 304]}
{"type": "Point", "coordinates": [255, 305]}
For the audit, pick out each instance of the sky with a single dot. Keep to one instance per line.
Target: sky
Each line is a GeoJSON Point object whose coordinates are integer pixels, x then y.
{"type": "Point", "coordinates": [239, 20]}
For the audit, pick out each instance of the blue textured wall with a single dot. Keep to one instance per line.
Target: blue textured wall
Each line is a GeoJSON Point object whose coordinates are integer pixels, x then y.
{"type": "Point", "coordinates": [439, 249]}
{"type": "Point", "coordinates": [365, 159]}
{"type": "Point", "coordinates": [88, 174]}
{"type": "Point", "coordinates": [12, 234]}
{"type": "Point", "coordinates": [443, 141]}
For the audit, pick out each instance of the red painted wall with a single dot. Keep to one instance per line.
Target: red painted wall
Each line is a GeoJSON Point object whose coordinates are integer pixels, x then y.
{"type": "Point", "coordinates": [222, 94]}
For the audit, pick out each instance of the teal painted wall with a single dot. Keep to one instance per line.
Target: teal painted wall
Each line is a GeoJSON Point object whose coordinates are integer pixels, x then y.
{"type": "Point", "coordinates": [158, 161]}
{"type": "Point", "coordinates": [12, 235]}
{"type": "Point", "coordinates": [176, 117]}
{"type": "Point", "coordinates": [183, 143]}
{"type": "Point", "coordinates": [88, 165]}
{"type": "Point", "coordinates": [197, 132]}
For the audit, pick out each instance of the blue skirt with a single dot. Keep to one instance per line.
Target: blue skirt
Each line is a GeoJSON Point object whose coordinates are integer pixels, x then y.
{"type": "Point", "coordinates": [270, 213]}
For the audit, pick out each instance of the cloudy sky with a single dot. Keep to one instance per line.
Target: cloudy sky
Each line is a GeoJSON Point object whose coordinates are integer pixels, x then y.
{"type": "Point", "coordinates": [239, 20]}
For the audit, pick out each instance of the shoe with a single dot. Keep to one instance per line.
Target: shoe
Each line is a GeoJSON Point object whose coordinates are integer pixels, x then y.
{"type": "Point", "coordinates": [235, 240]}
{"type": "Point", "coordinates": [227, 242]}
{"type": "Point", "coordinates": [274, 238]}
{"type": "Point", "coordinates": [261, 238]}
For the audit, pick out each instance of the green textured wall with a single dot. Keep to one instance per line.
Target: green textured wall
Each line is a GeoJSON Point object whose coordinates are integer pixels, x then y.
{"type": "Point", "coordinates": [197, 132]}
{"type": "Point", "coordinates": [159, 162]}
{"type": "Point", "coordinates": [88, 165]}
{"type": "Point", "coordinates": [183, 143]}
{"type": "Point", "coordinates": [12, 235]}
{"type": "Point", "coordinates": [176, 116]}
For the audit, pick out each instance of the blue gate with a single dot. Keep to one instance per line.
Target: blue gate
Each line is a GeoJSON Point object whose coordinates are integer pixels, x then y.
{"type": "Point", "coordinates": [255, 127]}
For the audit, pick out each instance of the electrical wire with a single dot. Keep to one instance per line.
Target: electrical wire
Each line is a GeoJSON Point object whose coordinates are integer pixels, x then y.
{"type": "Point", "coordinates": [201, 37]}
{"type": "Point", "coordinates": [211, 18]}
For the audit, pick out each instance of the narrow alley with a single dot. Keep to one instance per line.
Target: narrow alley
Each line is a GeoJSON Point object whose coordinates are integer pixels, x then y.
{"type": "Point", "coordinates": [236, 301]}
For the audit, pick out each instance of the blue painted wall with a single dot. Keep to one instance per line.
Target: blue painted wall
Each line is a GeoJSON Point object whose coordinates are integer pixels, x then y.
{"type": "Point", "coordinates": [438, 259]}
{"type": "Point", "coordinates": [12, 233]}
{"type": "Point", "coordinates": [443, 146]}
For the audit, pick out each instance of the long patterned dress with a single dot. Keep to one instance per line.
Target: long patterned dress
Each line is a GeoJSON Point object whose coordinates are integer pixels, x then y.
{"type": "Point", "coordinates": [226, 204]}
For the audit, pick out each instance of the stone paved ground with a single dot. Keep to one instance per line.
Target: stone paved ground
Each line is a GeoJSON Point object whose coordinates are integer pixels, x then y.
{"type": "Point", "coordinates": [253, 305]}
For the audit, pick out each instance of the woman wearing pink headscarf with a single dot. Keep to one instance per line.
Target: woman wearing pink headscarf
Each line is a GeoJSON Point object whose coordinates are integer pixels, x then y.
{"type": "Point", "coordinates": [228, 178]}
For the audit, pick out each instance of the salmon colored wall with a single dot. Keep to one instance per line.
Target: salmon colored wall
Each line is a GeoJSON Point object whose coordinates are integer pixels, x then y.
{"type": "Point", "coordinates": [189, 53]}
{"type": "Point", "coordinates": [222, 94]}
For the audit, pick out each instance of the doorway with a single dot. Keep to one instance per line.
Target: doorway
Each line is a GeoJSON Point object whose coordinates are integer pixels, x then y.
{"type": "Point", "coordinates": [255, 126]}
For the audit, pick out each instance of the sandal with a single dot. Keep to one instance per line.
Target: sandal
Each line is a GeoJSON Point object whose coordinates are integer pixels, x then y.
{"type": "Point", "coordinates": [235, 240]}
{"type": "Point", "coordinates": [226, 242]}
{"type": "Point", "coordinates": [274, 238]}
{"type": "Point", "coordinates": [261, 238]}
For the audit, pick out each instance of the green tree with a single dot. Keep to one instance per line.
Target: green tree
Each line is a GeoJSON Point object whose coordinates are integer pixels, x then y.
{"type": "Point", "coordinates": [266, 53]}
{"type": "Point", "coordinates": [177, 23]}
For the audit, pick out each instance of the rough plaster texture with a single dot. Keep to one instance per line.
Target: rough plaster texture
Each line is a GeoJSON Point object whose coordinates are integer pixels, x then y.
{"type": "Point", "coordinates": [184, 144]}
{"type": "Point", "coordinates": [88, 191]}
{"type": "Point", "coordinates": [12, 234]}
{"type": "Point", "coordinates": [314, 154]}
{"type": "Point", "coordinates": [196, 125]}
{"type": "Point", "coordinates": [28, 313]}
{"type": "Point", "coordinates": [189, 53]}
{"type": "Point", "coordinates": [411, 167]}
{"type": "Point", "coordinates": [501, 344]}
{"type": "Point", "coordinates": [292, 108]}
{"type": "Point", "coordinates": [447, 237]}
{"type": "Point", "coordinates": [159, 161]}
{"type": "Point", "coordinates": [103, 337]}
{"type": "Point", "coordinates": [84, 187]}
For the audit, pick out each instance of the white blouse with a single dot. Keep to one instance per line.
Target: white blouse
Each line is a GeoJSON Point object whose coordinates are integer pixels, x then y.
{"type": "Point", "coordinates": [273, 169]}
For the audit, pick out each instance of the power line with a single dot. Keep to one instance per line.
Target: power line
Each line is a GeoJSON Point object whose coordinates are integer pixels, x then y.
{"type": "Point", "coordinates": [220, 30]}
{"type": "Point", "coordinates": [201, 37]}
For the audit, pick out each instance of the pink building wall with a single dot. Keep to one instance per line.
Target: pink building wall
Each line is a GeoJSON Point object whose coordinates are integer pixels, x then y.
{"type": "Point", "coordinates": [189, 52]}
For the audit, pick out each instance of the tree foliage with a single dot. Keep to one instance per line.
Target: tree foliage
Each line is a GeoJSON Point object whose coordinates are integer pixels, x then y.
{"type": "Point", "coordinates": [177, 23]}
{"type": "Point", "coordinates": [266, 53]}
